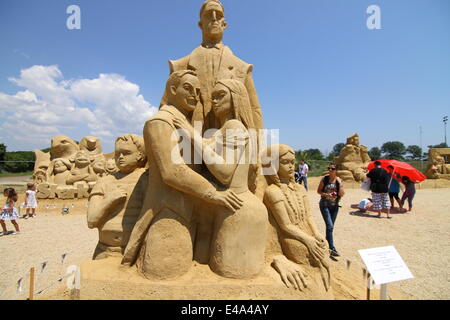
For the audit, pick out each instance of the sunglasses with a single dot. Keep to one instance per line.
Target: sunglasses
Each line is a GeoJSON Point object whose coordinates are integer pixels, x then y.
{"type": "Point", "coordinates": [332, 169]}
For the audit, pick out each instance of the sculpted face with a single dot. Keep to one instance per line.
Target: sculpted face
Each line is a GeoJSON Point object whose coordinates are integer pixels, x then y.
{"type": "Point", "coordinates": [127, 156]}
{"type": "Point", "coordinates": [221, 101]}
{"type": "Point", "coordinates": [187, 93]}
{"type": "Point", "coordinates": [111, 166]}
{"type": "Point", "coordinates": [99, 166]}
{"type": "Point", "coordinates": [82, 159]}
{"type": "Point", "coordinates": [59, 167]}
{"type": "Point", "coordinates": [212, 21]}
{"type": "Point", "coordinates": [287, 166]}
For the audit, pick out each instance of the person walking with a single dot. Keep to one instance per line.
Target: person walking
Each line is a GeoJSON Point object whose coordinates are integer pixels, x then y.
{"type": "Point", "coordinates": [379, 185]}
{"type": "Point", "coordinates": [331, 190]}
{"type": "Point", "coordinates": [410, 192]}
{"type": "Point", "coordinates": [9, 211]}
{"type": "Point", "coordinates": [303, 170]}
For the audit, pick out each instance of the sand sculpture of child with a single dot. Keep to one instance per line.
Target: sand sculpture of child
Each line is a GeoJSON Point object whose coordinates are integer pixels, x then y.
{"type": "Point", "coordinates": [116, 200]}
{"type": "Point", "coordinates": [289, 207]}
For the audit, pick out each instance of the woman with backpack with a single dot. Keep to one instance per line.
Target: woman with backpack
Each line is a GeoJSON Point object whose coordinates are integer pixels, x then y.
{"type": "Point", "coordinates": [331, 191]}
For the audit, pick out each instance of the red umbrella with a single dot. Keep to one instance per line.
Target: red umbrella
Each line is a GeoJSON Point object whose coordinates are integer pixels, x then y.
{"type": "Point", "coordinates": [402, 168]}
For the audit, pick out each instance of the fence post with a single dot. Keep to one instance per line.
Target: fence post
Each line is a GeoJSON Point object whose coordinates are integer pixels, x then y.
{"type": "Point", "coordinates": [30, 296]}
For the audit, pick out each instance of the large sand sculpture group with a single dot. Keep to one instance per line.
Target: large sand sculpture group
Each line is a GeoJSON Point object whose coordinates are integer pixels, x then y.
{"type": "Point", "coordinates": [160, 209]}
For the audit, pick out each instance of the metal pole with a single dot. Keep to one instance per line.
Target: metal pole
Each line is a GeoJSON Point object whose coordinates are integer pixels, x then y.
{"type": "Point", "coordinates": [445, 128]}
{"type": "Point", "coordinates": [421, 150]}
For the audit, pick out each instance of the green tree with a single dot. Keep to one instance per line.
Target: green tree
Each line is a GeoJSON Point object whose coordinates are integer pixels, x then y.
{"type": "Point", "coordinates": [336, 151]}
{"type": "Point", "coordinates": [441, 145]}
{"type": "Point", "coordinates": [414, 152]}
{"type": "Point", "coordinates": [375, 153]}
{"type": "Point", "coordinates": [314, 154]}
{"type": "Point", "coordinates": [2, 156]}
{"type": "Point", "coordinates": [19, 161]}
{"type": "Point", "coordinates": [393, 150]}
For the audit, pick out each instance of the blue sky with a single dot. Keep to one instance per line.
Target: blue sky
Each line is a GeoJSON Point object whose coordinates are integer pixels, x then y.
{"type": "Point", "coordinates": [320, 73]}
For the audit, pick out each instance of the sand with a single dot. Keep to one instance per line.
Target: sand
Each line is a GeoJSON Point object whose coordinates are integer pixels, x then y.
{"type": "Point", "coordinates": [421, 237]}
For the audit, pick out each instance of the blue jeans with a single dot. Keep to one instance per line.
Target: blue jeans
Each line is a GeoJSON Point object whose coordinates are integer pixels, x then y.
{"type": "Point", "coordinates": [329, 214]}
{"type": "Point", "coordinates": [304, 180]}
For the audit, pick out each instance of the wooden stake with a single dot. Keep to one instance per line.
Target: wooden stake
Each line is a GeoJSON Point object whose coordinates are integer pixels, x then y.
{"type": "Point", "coordinates": [368, 286]}
{"type": "Point", "coordinates": [30, 296]}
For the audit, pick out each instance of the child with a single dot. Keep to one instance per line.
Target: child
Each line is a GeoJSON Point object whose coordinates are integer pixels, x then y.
{"type": "Point", "coordinates": [365, 205]}
{"type": "Point", "coordinates": [30, 200]}
{"type": "Point", "coordinates": [9, 211]}
{"type": "Point", "coordinates": [410, 192]}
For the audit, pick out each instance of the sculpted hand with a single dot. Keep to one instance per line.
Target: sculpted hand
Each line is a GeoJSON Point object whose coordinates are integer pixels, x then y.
{"type": "Point", "coordinates": [290, 272]}
{"type": "Point", "coordinates": [315, 249]}
{"type": "Point", "coordinates": [227, 199]}
{"type": "Point", "coordinates": [184, 125]}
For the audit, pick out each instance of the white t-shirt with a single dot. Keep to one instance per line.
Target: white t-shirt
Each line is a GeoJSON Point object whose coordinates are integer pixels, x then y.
{"type": "Point", "coordinates": [363, 204]}
{"type": "Point", "coordinates": [303, 169]}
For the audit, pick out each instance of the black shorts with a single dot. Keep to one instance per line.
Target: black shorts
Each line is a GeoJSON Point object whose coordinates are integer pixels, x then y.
{"type": "Point", "coordinates": [394, 195]}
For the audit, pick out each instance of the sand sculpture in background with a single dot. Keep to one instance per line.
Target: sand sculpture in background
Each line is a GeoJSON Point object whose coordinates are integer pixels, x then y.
{"type": "Point", "coordinates": [289, 207]}
{"type": "Point", "coordinates": [82, 169]}
{"type": "Point", "coordinates": [353, 160]}
{"type": "Point", "coordinates": [69, 170]}
{"type": "Point", "coordinates": [91, 145]}
{"type": "Point", "coordinates": [116, 200]}
{"type": "Point", "coordinates": [438, 167]}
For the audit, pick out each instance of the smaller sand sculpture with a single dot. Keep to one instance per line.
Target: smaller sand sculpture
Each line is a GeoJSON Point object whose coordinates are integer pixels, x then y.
{"type": "Point", "coordinates": [116, 200]}
{"type": "Point", "coordinates": [59, 170]}
{"type": "Point", "coordinates": [438, 164]}
{"type": "Point", "coordinates": [69, 170]}
{"type": "Point", "coordinates": [353, 160]}
{"type": "Point", "coordinates": [82, 170]}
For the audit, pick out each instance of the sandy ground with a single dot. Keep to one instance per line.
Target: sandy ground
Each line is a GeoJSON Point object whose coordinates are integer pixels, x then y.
{"type": "Point", "coordinates": [421, 237]}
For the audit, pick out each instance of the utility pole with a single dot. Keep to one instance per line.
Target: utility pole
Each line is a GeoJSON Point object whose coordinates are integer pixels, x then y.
{"type": "Point", "coordinates": [444, 120]}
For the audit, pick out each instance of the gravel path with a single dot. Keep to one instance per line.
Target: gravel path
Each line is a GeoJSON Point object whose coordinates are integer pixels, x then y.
{"type": "Point", "coordinates": [421, 237]}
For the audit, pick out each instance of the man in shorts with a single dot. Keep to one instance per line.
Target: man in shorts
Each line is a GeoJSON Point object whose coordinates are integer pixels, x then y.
{"type": "Point", "coordinates": [379, 185]}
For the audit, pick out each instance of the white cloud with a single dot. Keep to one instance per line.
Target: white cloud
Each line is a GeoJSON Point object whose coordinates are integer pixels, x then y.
{"type": "Point", "coordinates": [107, 106]}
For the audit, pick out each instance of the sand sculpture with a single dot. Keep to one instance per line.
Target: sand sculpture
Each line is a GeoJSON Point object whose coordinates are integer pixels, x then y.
{"type": "Point", "coordinates": [116, 200]}
{"type": "Point", "coordinates": [353, 160]}
{"type": "Point", "coordinates": [288, 204]}
{"type": "Point", "coordinates": [183, 211]}
{"type": "Point", "coordinates": [438, 164]}
{"type": "Point", "coordinates": [69, 170]}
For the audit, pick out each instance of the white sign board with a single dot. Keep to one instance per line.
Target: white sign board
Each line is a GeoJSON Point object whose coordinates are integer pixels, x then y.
{"type": "Point", "coordinates": [385, 265]}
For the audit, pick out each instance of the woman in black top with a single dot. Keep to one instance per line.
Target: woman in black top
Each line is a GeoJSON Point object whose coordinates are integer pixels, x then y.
{"type": "Point", "coordinates": [331, 191]}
